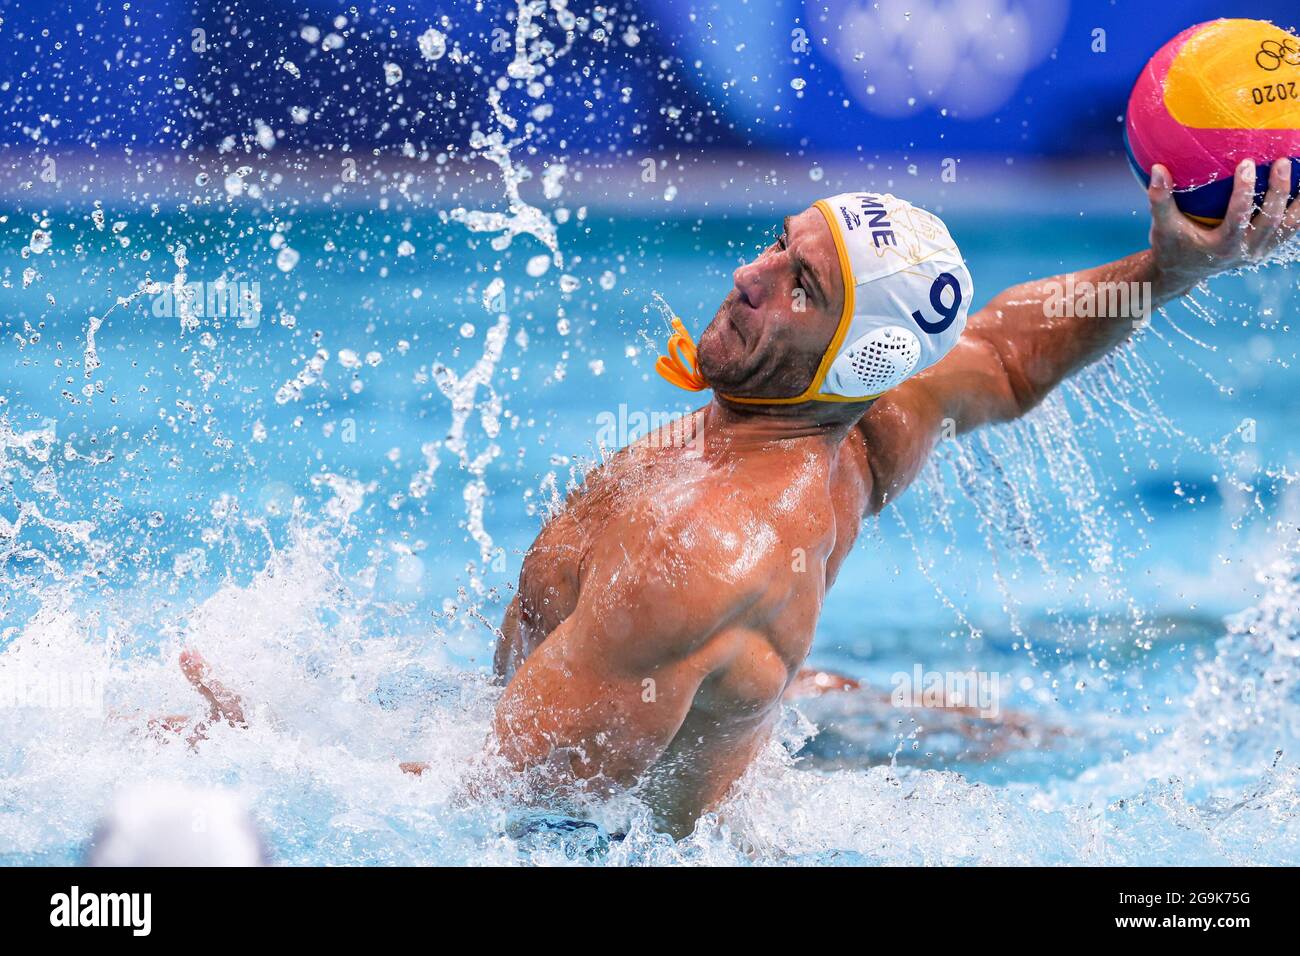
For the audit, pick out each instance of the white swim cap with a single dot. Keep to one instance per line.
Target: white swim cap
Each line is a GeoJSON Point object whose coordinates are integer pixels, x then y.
{"type": "Point", "coordinates": [906, 296]}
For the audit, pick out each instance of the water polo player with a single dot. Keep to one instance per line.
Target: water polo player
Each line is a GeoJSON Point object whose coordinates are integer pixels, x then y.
{"type": "Point", "coordinates": [662, 615]}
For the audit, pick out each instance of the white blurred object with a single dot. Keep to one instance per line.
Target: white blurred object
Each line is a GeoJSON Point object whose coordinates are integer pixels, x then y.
{"type": "Point", "coordinates": [172, 824]}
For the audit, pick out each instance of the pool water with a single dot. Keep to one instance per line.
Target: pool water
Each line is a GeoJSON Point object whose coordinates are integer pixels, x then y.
{"type": "Point", "coordinates": [298, 497]}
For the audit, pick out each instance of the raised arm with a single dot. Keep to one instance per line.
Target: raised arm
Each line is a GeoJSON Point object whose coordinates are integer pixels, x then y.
{"type": "Point", "coordinates": [1032, 337]}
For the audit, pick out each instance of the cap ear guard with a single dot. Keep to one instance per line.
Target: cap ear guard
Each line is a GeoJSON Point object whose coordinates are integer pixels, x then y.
{"type": "Point", "coordinates": [874, 362]}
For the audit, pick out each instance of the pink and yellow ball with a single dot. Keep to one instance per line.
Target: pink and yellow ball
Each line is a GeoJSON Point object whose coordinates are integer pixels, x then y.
{"type": "Point", "coordinates": [1214, 95]}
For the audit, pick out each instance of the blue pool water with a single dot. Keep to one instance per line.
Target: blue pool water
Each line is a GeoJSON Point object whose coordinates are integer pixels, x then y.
{"type": "Point", "coordinates": [322, 549]}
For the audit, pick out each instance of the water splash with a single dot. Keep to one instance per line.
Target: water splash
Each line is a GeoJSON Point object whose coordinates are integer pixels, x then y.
{"type": "Point", "coordinates": [533, 53]}
{"type": "Point", "coordinates": [462, 392]}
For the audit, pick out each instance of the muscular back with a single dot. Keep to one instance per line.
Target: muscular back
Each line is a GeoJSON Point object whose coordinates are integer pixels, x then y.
{"type": "Point", "coordinates": [672, 601]}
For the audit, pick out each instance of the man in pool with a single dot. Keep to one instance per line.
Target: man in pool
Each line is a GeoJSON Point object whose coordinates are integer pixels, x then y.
{"type": "Point", "coordinates": [664, 613]}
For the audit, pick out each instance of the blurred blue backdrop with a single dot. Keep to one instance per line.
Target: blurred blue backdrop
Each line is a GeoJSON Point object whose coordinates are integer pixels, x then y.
{"type": "Point", "coordinates": [998, 76]}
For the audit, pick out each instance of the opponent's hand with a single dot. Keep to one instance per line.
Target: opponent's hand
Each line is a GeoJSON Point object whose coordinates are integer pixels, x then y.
{"type": "Point", "coordinates": [223, 703]}
{"type": "Point", "coordinates": [1187, 252]}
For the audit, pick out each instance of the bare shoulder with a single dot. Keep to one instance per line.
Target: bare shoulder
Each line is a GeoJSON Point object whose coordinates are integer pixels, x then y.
{"type": "Point", "coordinates": [689, 536]}
{"type": "Point", "coordinates": [896, 436]}
{"type": "Point", "coordinates": [670, 572]}
{"type": "Point", "coordinates": [893, 417]}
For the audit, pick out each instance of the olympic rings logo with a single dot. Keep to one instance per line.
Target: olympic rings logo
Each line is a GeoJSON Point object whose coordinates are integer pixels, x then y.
{"type": "Point", "coordinates": [1273, 53]}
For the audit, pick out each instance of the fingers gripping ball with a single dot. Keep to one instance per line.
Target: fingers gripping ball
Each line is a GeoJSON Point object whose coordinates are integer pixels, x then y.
{"type": "Point", "coordinates": [1214, 95]}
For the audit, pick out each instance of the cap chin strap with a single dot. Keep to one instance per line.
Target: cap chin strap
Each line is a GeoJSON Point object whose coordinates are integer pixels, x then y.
{"type": "Point", "coordinates": [686, 376]}
{"type": "Point", "coordinates": [681, 365]}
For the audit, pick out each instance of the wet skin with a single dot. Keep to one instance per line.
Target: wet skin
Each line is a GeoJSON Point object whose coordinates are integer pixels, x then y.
{"type": "Point", "coordinates": [661, 616]}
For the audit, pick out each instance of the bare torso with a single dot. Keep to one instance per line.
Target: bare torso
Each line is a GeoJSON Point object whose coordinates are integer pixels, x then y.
{"type": "Point", "coordinates": [663, 614]}
{"type": "Point", "coordinates": [780, 516]}
{"type": "Point", "coordinates": [661, 617]}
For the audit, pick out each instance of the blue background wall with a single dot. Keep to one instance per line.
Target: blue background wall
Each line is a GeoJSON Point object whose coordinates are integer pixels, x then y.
{"type": "Point", "coordinates": [996, 76]}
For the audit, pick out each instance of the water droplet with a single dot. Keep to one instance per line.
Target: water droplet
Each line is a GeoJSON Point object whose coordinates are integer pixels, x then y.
{"type": "Point", "coordinates": [433, 44]}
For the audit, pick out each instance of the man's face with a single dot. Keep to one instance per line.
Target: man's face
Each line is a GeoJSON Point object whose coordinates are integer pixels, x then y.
{"type": "Point", "coordinates": [777, 321]}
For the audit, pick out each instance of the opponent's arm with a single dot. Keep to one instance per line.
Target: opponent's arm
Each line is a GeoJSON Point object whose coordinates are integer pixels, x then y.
{"type": "Point", "coordinates": [1029, 339]}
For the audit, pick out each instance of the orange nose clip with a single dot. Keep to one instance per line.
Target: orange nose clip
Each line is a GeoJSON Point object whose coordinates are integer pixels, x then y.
{"type": "Point", "coordinates": [681, 365]}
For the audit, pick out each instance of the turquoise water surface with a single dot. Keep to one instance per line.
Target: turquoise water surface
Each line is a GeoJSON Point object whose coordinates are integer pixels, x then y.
{"type": "Point", "coordinates": [313, 530]}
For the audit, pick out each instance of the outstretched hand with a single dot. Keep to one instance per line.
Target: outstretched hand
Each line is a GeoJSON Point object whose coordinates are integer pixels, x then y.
{"type": "Point", "coordinates": [223, 703]}
{"type": "Point", "coordinates": [1187, 252]}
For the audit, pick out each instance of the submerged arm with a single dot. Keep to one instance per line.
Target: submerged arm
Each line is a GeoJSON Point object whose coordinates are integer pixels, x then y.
{"type": "Point", "coordinates": [582, 705]}
{"type": "Point", "coordinates": [607, 691]}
